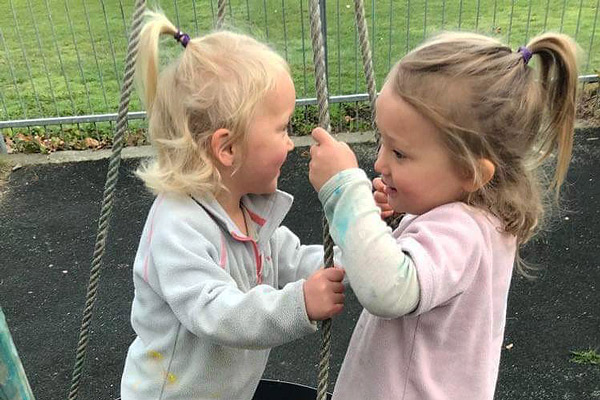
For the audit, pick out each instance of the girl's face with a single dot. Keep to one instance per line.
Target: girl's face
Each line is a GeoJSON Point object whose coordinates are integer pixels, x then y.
{"type": "Point", "coordinates": [412, 160]}
{"type": "Point", "coordinates": [268, 141]}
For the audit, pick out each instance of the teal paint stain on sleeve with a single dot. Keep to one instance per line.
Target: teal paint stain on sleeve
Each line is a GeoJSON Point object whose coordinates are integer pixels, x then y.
{"type": "Point", "coordinates": [340, 227]}
{"type": "Point", "coordinates": [343, 217]}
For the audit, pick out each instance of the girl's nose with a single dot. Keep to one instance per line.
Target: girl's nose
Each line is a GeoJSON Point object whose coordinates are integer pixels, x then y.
{"type": "Point", "coordinates": [290, 144]}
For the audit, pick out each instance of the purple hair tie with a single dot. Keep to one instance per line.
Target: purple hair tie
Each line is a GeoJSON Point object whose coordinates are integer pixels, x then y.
{"type": "Point", "coordinates": [182, 38]}
{"type": "Point", "coordinates": [526, 53]}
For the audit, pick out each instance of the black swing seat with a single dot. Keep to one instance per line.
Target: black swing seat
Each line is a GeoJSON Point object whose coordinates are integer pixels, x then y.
{"type": "Point", "coordinates": [269, 389]}
{"type": "Point", "coordinates": [278, 390]}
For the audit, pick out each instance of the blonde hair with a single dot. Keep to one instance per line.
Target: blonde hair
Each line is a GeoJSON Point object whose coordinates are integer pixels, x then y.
{"type": "Point", "coordinates": [217, 82]}
{"type": "Point", "coordinates": [488, 103]}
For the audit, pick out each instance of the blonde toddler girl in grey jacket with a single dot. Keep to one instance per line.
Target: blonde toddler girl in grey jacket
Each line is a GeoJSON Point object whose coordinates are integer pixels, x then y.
{"type": "Point", "coordinates": [218, 281]}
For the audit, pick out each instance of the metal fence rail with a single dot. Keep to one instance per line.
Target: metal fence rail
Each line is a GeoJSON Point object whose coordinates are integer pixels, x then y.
{"type": "Point", "coordinates": [61, 61]}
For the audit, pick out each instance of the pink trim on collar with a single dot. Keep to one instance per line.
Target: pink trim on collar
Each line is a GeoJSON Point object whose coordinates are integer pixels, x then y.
{"type": "Point", "coordinates": [223, 260]}
{"type": "Point", "coordinates": [256, 218]}
{"type": "Point", "coordinates": [257, 255]}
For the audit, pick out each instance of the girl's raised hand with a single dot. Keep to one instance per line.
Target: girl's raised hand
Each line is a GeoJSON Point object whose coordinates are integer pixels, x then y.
{"type": "Point", "coordinates": [328, 157]}
{"type": "Point", "coordinates": [381, 198]}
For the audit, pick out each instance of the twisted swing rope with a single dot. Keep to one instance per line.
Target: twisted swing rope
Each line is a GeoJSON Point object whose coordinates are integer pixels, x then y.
{"type": "Point", "coordinates": [367, 58]}
{"type": "Point", "coordinates": [107, 202]}
{"type": "Point", "coordinates": [365, 50]}
{"type": "Point", "coordinates": [324, 122]}
{"type": "Point", "coordinates": [221, 13]}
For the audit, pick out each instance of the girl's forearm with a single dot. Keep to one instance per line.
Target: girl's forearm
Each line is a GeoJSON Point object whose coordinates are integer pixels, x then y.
{"type": "Point", "coordinates": [382, 276]}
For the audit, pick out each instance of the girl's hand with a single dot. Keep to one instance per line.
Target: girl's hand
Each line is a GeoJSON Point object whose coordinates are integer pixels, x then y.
{"type": "Point", "coordinates": [324, 293]}
{"type": "Point", "coordinates": [328, 157]}
{"type": "Point", "coordinates": [381, 199]}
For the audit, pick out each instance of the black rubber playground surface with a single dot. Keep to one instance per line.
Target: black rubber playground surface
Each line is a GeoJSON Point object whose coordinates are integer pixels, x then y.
{"type": "Point", "coordinates": [48, 217]}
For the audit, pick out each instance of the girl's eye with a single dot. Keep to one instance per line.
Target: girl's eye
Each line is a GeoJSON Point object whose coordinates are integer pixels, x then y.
{"type": "Point", "coordinates": [398, 154]}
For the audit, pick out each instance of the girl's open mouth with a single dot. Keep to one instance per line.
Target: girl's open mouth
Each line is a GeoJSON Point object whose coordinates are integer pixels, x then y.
{"type": "Point", "coordinates": [390, 191]}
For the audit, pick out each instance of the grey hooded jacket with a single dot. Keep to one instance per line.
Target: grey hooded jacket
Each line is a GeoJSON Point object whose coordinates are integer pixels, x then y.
{"type": "Point", "coordinates": [210, 302]}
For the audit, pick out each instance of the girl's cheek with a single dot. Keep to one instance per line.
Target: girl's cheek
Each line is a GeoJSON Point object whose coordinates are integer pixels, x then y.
{"type": "Point", "coordinates": [404, 188]}
{"type": "Point", "coordinates": [282, 156]}
{"type": "Point", "coordinates": [277, 160]}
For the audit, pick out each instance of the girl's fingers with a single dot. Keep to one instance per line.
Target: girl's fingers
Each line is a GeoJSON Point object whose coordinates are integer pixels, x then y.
{"type": "Point", "coordinates": [338, 298]}
{"type": "Point", "coordinates": [321, 136]}
{"type": "Point", "coordinates": [380, 197]}
{"type": "Point", "coordinates": [338, 287]}
{"type": "Point", "coordinates": [387, 214]}
{"type": "Point", "coordinates": [378, 184]}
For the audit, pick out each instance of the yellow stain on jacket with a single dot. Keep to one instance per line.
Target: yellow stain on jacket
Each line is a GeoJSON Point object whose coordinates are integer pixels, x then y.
{"type": "Point", "coordinates": [171, 378]}
{"type": "Point", "coordinates": [155, 355]}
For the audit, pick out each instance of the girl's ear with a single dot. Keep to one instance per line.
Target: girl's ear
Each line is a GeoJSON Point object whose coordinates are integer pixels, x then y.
{"type": "Point", "coordinates": [222, 148]}
{"type": "Point", "coordinates": [487, 169]}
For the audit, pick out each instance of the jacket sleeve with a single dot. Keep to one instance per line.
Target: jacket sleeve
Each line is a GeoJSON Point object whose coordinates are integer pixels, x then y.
{"type": "Point", "coordinates": [208, 302]}
{"type": "Point", "coordinates": [382, 276]}
{"type": "Point", "coordinates": [295, 261]}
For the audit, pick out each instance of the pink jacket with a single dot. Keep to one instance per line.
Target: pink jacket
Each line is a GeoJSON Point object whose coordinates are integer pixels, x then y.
{"type": "Point", "coordinates": [449, 347]}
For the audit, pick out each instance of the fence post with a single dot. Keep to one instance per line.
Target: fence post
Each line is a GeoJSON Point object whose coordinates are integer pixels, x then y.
{"type": "Point", "coordinates": [3, 149]}
{"type": "Point", "coordinates": [13, 381]}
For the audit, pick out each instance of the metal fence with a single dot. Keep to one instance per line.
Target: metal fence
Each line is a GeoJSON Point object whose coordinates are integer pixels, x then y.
{"type": "Point", "coordinates": [61, 61]}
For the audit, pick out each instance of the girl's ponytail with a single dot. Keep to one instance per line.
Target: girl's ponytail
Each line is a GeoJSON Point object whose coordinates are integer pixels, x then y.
{"type": "Point", "coordinates": [557, 59]}
{"type": "Point", "coordinates": [146, 73]}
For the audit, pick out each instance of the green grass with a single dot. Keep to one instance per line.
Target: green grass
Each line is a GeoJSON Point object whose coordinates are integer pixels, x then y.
{"type": "Point", "coordinates": [34, 52]}
{"type": "Point", "coordinates": [589, 357]}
